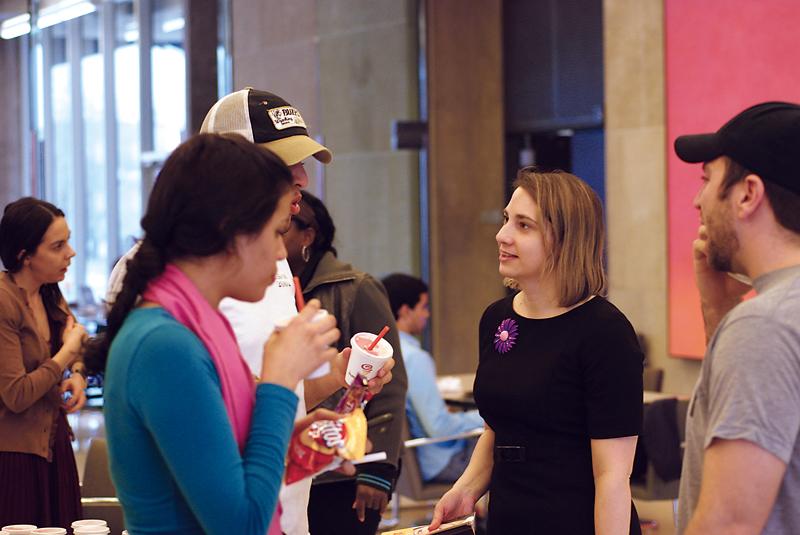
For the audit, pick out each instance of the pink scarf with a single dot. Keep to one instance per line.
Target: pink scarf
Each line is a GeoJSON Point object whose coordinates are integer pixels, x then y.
{"type": "Point", "coordinates": [180, 297]}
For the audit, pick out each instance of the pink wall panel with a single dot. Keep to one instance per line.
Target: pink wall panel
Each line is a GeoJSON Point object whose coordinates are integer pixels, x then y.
{"type": "Point", "coordinates": [721, 56]}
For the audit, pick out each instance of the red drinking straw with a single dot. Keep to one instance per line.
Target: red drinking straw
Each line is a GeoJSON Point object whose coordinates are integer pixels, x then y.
{"type": "Point", "coordinates": [378, 338]}
{"type": "Point", "coordinates": [298, 294]}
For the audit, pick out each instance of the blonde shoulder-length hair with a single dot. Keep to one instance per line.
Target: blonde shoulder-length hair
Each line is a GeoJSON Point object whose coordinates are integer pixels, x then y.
{"type": "Point", "coordinates": [575, 232]}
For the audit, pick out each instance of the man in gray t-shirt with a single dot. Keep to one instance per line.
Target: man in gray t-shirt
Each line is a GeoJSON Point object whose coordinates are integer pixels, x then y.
{"type": "Point", "coordinates": [741, 467]}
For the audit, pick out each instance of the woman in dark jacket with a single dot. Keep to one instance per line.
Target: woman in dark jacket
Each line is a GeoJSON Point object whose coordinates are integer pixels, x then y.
{"type": "Point", "coordinates": [360, 304]}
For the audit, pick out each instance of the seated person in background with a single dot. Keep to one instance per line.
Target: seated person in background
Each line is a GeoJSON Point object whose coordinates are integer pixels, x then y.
{"type": "Point", "coordinates": [427, 413]}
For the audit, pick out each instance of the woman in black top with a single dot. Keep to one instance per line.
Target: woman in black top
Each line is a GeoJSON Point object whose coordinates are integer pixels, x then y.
{"type": "Point", "coordinates": [559, 381]}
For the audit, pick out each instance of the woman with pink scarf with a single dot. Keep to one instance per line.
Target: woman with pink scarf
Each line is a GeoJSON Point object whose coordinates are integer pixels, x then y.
{"type": "Point", "coordinates": [196, 445]}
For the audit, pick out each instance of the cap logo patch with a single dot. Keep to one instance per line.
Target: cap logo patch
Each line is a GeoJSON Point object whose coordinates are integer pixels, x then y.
{"type": "Point", "coordinates": [286, 117]}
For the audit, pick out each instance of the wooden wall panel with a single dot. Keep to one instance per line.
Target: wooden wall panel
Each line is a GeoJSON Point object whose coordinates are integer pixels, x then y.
{"type": "Point", "coordinates": [466, 185]}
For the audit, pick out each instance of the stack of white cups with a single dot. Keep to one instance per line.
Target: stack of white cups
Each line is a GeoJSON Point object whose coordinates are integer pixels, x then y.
{"type": "Point", "coordinates": [50, 531]}
{"type": "Point", "coordinates": [18, 529]}
{"type": "Point", "coordinates": [90, 527]}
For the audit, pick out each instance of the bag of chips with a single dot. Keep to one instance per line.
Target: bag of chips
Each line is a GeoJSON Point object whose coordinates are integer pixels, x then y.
{"type": "Point", "coordinates": [325, 443]}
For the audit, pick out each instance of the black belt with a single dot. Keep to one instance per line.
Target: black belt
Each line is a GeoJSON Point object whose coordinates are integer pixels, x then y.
{"type": "Point", "coordinates": [509, 454]}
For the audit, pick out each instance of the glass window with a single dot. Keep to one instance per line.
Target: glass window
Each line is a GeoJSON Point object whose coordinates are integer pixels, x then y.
{"type": "Point", "coordinates": [95, 214]}
{"type": "Point", "coordinates": [60, 154]}
{"type": "Point", "coordinates": [127, 115]}
{"type": "Point", "coordinates": [109, 103]}
{"type": "Point", "coordinates": [169, 75]}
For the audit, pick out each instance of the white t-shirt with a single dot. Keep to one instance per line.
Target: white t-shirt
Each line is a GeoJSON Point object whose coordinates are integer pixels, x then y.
{"type": "Point", "coordinates": [253, 323]}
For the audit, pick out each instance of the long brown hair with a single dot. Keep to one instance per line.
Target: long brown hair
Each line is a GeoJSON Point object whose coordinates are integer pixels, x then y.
{"type": "Point", "coordinates": [22, 228]}
{"type": "Point", "coordinates": [575, 237]}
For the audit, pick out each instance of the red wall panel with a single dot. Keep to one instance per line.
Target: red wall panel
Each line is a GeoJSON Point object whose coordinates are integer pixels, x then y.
{"type": "Point", "coordinates": [721, 56]}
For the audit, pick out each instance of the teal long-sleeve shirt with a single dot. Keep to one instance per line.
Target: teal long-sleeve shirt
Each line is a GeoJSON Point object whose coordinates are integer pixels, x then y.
{"type": "Point", "coordinates": [174, 459]}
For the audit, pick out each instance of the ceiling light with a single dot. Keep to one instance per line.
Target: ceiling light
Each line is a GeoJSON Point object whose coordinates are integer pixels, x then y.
{"type": "Point", "coordinates": [16, 26]}
{"type": "Point", "coordinates": [173, 25]}
{"type": "Point", "coordinates": [64, 11]}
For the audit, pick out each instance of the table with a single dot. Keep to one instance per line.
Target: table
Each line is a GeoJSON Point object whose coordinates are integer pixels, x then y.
{"type": "Point", "coordinates": [456, 389]}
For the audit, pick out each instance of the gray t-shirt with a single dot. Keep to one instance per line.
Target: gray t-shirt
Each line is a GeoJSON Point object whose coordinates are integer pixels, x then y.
{"type": "Point", "coordinates": [749, 389]}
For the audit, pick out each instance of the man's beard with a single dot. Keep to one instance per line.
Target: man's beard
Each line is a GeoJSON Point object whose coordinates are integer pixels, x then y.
{"type": "Point", "coordinates": [722, 245]}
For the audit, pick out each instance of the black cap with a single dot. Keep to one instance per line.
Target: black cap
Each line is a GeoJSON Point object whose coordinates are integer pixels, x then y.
{"type": "Point", "coordinates": [764, 138]}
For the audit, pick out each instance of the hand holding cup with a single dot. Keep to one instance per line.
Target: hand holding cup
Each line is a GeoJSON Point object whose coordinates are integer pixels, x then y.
{"type": "Point", "coordinates": [367, 357]}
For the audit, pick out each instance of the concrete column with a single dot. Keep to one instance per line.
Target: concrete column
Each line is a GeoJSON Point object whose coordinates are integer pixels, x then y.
{"type": "Point", "coordinates": [633, 36]}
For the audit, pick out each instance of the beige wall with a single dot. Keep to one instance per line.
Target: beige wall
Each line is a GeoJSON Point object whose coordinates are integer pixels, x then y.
{"type": "Point", "coordinates": [636, 176]}
{"type": "Point", "coordinates": [274, 48]}
{"type": "Point", "coordinates": [367, 79]}
{"type": "Point", "coordinates": [350, 67]}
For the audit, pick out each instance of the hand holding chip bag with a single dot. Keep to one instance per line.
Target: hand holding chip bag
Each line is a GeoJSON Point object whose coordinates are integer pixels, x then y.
{"type": "Point", "coordinates": [318, 446]}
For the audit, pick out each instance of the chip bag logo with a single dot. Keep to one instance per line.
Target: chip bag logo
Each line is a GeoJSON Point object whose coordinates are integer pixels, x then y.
{"type": "Point", "coordinates": [328, 433]}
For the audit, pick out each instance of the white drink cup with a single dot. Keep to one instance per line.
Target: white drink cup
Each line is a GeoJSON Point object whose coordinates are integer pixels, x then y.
{"type": "Point", "coordinates": [89, 522]}
{"type": "Point", "coordinates": [90, 526]}
{"type": "Point", "coordinates": [19, 529]}
{"type": "Point", "coordinates": [367, 363]}
{"type": "Point", "coordinates": [50, 531]}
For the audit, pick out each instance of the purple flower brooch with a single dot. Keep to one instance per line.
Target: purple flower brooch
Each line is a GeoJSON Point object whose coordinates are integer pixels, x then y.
{"type": "Point", "coordinates": [506, 336]}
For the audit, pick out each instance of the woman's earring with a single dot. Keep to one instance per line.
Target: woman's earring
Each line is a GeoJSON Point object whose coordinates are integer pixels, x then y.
{"type": "Point", "coordinates": [305, 254]}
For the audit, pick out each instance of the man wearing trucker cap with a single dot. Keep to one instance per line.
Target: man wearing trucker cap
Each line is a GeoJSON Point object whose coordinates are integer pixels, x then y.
{"type": "Point", "coordinates": [741, 467]}
{"type": "Point", "coordinates": [268, 120]}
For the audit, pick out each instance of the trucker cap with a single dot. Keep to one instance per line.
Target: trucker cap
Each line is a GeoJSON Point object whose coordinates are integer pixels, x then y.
{"type": "Point", "coordinates": [268, 120]}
